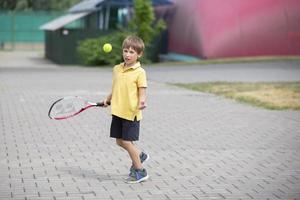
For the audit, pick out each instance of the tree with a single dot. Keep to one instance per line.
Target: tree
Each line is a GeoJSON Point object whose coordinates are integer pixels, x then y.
{"type": "Point", "coordinates": [62, 5]}
{"type": "Point", "coordinates": [143, 21]}
{"type": "Point", "coordinates": [8, 4]}
{"type": "Point", "coordinates": [36, 4]}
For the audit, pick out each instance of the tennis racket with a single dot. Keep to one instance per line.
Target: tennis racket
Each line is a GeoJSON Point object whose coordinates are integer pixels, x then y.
{"type": "Point", "coordinates": [70, 106]}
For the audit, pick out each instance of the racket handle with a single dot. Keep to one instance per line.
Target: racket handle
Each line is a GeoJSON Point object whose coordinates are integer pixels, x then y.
{"type": "Point", "coordinates": [102, 104]}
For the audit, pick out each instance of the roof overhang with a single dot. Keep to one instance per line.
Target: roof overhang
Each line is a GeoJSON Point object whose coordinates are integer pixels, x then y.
{"type": "Point", "coordinates": [62, 21]}
{"type": "Point", "coordinates": [93, 5]}
{"type": "Point", "coordinates": [84, 6]}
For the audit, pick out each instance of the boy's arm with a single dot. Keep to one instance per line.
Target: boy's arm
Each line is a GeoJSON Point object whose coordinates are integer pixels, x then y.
{"type": "Point", "coordinates": [142, 98]}
{"type": "Point", "coordinates": [107, 100]}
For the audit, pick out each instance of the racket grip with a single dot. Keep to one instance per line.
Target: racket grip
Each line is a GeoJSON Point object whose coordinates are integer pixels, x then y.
{"type": "Point", "coordinates": [102, 104]}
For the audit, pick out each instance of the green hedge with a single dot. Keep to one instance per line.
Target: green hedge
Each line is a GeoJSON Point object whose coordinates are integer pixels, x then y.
{"type": "Point", "coordinates": [91, 53]}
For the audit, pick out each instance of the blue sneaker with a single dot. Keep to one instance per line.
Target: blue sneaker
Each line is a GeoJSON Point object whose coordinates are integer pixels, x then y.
{"type": "Point", "coordinates": [144, 157]}
{"type": "Point", "coordinates": [139, 175]}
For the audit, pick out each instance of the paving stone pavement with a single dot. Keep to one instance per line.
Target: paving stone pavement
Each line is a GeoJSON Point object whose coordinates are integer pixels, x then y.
{"type": "Point", "coordinates": [201, 146]}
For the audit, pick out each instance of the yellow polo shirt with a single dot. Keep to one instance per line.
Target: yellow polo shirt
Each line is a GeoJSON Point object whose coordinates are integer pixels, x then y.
{"type": "Point", "coordinates": [125, 97]}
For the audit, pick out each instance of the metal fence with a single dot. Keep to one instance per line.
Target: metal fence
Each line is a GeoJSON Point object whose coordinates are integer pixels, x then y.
{"type": "Point", "coordinates": [20, 30]}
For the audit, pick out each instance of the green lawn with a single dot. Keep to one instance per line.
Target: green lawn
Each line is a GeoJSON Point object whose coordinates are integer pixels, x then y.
{"type": "Point", "coordinates": [231, 60]}
{"type": "Point", "coordinates": [274, 96]}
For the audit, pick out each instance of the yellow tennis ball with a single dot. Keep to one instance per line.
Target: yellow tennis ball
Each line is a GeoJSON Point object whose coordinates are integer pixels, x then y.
{"type": "Point", "coordinates": [107, 47]}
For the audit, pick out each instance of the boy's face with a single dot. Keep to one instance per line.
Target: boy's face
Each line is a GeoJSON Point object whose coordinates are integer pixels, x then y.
{"type": "Point", "coordinates": [130, 56]}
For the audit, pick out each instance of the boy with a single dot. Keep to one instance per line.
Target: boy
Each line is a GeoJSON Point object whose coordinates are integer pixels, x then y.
{"type": "Point", "coordinates": [127, 99]}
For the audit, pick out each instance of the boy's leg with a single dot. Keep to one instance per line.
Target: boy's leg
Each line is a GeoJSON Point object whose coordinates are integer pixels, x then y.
{"type": "Point", "coordinates": [133, 152]}
{"type": "Point", "coordinates": [119, 142]}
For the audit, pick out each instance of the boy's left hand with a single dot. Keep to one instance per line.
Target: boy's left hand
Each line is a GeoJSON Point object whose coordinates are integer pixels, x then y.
{"type": "Point", "coordinates": [142, 105]}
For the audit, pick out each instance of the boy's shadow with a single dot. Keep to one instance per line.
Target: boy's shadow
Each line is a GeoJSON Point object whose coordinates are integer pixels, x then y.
{"type": "Point", "coordinates": [91, 174]}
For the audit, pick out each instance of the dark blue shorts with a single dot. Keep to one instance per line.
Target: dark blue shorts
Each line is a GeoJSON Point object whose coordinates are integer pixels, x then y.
{"type": "Point", "coordinates": [124, 129]}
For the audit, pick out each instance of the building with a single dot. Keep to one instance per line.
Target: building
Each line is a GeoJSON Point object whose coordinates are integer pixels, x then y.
{"type": "Point", "coordinates": [87, 19]}
{"type": "Point", "coordinates": [235, 28]}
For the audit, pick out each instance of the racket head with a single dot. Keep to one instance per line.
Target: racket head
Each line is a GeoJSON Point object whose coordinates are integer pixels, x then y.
{"type": "Point", "coordinates": [69, 106]}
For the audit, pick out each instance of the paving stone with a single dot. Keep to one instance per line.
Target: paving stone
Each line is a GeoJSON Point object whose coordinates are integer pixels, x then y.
{"type": "Point", "coordinates": [201, 146]}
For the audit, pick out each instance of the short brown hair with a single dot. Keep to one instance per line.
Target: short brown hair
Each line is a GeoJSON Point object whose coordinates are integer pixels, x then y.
{"type": "Point", "coordinates": [134, 42]}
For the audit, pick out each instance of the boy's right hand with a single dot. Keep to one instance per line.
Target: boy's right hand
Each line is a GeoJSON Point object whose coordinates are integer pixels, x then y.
{"type": "Point", "coordinates": [106, 103]}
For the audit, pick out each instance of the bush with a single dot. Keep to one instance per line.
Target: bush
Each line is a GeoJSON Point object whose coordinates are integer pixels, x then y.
{"type": "Point", "coordinates": [91, 53]}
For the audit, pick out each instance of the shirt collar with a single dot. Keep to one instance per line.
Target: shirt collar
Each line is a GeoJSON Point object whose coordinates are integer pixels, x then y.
{"type": "Point", "coordinates": [136, 65]}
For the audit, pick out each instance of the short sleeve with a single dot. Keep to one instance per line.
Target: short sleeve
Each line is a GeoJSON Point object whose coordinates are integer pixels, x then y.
{"type": "Point", "coordinates": [114, 71]}
{"type": "Point", "coordinates": [142, 79]}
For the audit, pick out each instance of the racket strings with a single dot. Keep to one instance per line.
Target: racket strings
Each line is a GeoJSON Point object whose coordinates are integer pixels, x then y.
{"type": "Point", "coordinates": [67, 107]}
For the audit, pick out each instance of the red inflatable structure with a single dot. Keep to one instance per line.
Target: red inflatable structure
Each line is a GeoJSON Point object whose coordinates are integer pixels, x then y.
{"type": "Point", "coordinates": [235, 28]}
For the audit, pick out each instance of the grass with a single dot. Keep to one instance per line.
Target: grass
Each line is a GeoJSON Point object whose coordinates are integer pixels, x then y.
{"type": "Point", "coordinates": [273, 96]}
{"type": "Point", "coordinates": [231, 60]}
